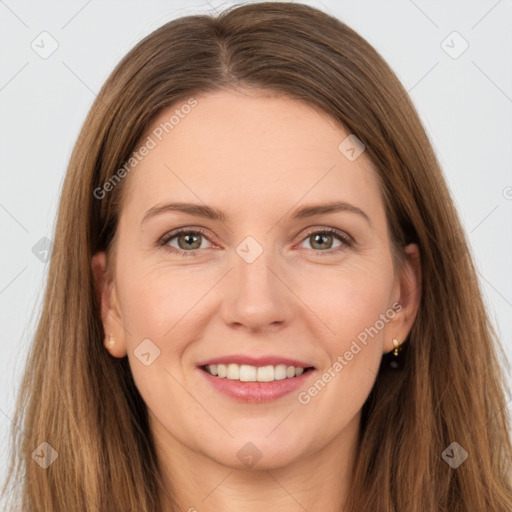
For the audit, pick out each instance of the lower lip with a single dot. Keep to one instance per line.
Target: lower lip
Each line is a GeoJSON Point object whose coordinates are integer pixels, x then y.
{"type": "Point", "coordinates": [256, 391]}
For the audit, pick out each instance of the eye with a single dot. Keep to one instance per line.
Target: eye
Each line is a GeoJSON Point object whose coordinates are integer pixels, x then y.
{"type": "Point", "coordinates": [184, 242]}
{"type": "Point", "coordinates": [187, 242]}
{"type": "Point", "coordinates": [323, 240]}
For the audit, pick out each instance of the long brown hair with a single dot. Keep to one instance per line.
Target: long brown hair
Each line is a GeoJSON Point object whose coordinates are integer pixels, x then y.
{"type": "Point", "coordinates": [451, 388]}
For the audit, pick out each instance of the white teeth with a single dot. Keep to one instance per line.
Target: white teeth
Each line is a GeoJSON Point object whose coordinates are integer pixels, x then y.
{"type": "Point", "coordinates": [280, 372]}
{"type": "Point", "coordinates": [233, 372]}
{"type": "Point", "coordinates": [247, 373]}
{"type": "Point", "coordinates": [221, 369]}
{"type": "Point", "coordinates": [265, 374]}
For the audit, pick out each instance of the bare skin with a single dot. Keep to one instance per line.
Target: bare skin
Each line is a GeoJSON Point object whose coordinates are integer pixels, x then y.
{"type": "Point", "coordinates": [306, 297]}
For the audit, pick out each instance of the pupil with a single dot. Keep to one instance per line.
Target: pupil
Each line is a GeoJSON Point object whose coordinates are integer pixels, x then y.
{"type": "Point", "coordinates": [318, 238]}
{"type": "Point", "coordinates": [189, 239]}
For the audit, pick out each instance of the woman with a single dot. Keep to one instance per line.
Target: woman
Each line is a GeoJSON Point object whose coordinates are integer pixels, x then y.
{"type": "Point", "coordinates": [200, 348]}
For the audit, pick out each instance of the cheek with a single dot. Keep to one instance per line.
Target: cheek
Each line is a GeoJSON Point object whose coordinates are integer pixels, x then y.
{"type": "Point", "coordinates": [358, 311]}
{"type": "Point", "coordinates": [157, 303]}
{"type": "Point", "coordinates": [160, 307]}
{"type": "Point", "coordinates": [352, 299]}
{"type": "Point", "coordinates": [168, 308]}
{"type": "Point", "coordinates": [353, 311]}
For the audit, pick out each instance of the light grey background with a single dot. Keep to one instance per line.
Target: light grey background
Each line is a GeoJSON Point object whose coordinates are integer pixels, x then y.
{"type": "Point", "coordinates": [464, 102]}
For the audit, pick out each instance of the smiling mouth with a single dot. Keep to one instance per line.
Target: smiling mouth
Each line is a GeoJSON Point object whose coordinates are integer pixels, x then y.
{"type": "Point", "coordinates": [247, 373]}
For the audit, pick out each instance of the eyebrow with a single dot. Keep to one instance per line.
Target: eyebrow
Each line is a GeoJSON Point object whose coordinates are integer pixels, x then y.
{"type": "Point", "coordinates": [214, 214]}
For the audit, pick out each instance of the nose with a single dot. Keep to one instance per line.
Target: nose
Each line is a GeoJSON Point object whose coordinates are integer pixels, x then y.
{"type": "Point", "coordinates": [256, 294]}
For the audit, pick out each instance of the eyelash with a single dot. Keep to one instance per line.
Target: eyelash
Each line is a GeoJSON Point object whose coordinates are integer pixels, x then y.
{"type": "Point", "coordinates": [345, 239]}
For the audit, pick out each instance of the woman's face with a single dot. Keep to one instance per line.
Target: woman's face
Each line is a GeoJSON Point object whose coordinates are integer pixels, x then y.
{"type": "Point", "coordinates": [267, 275]}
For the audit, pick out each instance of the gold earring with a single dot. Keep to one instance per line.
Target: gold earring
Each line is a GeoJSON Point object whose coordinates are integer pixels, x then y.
{"type": "Point", "coordinates": [111, 341]}
{"type": "Point", "coordinates": [395, 362]}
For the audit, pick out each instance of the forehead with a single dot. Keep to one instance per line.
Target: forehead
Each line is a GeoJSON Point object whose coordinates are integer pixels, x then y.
{"type": "Point", "coordinates": [251, 151]}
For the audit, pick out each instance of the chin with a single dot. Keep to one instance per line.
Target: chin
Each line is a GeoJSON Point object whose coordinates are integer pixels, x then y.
{"type": "Point", "coordinates": [256, 453]}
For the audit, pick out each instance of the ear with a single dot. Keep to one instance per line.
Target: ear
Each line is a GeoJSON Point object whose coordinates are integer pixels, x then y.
{"type": "Point", "coordinates": [407, 294]}
{"type": "Point", "coordinates": [110, 313]}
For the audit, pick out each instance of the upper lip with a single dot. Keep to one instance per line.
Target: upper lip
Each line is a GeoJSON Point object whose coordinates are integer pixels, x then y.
{"type": "Point", "coordinates": [256, 361]}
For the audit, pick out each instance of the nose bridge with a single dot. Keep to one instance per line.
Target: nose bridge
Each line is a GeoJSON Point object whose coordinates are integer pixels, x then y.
{"type": "Point", "coordinates": [258, 297]}
{"type": "Point", "coordinates": [253, 268]}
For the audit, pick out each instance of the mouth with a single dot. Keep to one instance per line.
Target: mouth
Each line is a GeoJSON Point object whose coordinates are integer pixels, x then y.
{"type": "Point", "coordinates": [256, 380]}
{"type": "Point", "coordinates": [249, 373]}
